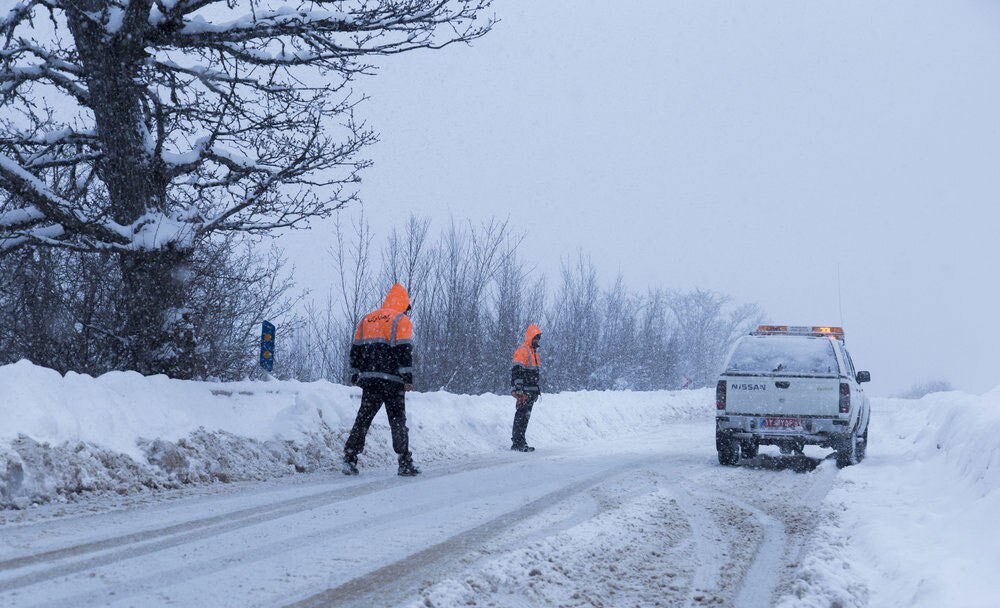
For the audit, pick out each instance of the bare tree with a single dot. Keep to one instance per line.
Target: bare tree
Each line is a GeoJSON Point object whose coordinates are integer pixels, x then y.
{"type": "Point", "coordinates": [315, 348]}
{"type": "Point", "coordinates": [707, 326]}
{"type": "Point", "coordinates": [573, 328]}
{"type": "Point", "coordinates": [517, 300]}
{"type": "Point", "coordinates": [234, 287]}
{"type": "Point", "coordinates": [141, 128]}
{"type": "Point", "coordinates": [657, 367]}
{"type": "Point", "coordinates": [620, 349]}
{"type": "Point", "coordinates": [476, 295]}
{"type": "Point", "coordinates": [65, 309]}
{"type": "Point", "coordinates": [451, 321]}
{"type": "Point", "coordinates": [406, 257]}
{"type": "Point", "coordinates": [352, 259]}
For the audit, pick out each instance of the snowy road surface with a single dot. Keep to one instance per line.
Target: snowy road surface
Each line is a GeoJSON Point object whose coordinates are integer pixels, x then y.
{"type": "Point", "coordinates": [652, 520]}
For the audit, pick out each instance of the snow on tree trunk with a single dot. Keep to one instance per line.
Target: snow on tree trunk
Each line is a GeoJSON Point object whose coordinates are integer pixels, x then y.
{"type": "Point", "coordinates": [153, 279]}
{"type": "Point", "coordinates": [155, 289]}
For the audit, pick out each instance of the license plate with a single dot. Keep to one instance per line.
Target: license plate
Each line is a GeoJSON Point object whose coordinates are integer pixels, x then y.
{"type": "Point", "coordinates": [778, 424]}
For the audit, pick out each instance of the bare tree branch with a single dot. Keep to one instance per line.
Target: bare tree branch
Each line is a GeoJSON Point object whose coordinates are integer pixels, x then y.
{"type": "Point", "coordinates": [239, 122]}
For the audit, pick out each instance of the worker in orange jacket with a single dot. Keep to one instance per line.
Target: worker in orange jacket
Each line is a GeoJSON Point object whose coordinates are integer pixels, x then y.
{"type": "Point", "coordinates": [382, 365]}
{"type": "Point", "coordinates": [525, 385]}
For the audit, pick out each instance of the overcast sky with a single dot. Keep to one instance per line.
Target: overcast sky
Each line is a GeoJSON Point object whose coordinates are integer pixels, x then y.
{"type": "Point", "coordinates": [747, 147]}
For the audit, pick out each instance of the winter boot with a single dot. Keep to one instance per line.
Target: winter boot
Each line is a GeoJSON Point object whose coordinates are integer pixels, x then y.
{"type": "Point", "coordinates": [522, 447]}
{"type": "Point", "coordinates": [407, 468]}
{"type": "Point", "coordinates": [350, 466]}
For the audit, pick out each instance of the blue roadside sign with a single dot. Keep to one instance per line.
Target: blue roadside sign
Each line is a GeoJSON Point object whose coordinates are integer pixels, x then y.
{"type": "Point", "coordinates": [267, 346]}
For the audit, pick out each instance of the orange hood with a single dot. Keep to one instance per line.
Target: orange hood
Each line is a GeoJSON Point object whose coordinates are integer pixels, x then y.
{"type": "Point", "coordinates": [397, 299]}
{"type": "Point", "coordinates": [531, 333]}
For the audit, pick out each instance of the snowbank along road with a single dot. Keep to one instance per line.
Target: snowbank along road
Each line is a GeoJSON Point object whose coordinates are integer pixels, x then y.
{"type": "Point", "coordinates": [649, 520]}
{"type": "Point", "coordinates": [623, 504]}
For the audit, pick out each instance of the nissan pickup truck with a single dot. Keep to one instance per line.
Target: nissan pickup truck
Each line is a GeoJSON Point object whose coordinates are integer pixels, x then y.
{"type": "Point", "coordinates": [791, 386]}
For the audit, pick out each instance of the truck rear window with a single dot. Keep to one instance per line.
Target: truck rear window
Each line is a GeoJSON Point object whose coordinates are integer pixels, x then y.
{"type": "Point", "coordinates": [784, 355]}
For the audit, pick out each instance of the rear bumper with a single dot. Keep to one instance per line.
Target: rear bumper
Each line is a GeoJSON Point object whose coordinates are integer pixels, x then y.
{"type": "Point", "coordinates": [815, 431]}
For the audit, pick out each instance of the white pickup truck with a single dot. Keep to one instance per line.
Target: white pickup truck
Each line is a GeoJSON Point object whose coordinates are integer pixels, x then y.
{"type": "Point", "coordinates": [791, 386]}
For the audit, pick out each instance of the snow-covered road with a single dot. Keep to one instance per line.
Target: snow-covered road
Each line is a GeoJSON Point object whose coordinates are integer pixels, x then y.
{"type": "Point", "coordinates": [651, 520]}
{"type": "Point", "coordinates": [109, 495]}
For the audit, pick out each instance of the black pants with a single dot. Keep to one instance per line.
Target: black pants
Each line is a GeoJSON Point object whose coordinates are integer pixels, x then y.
{"type": "Point", "coordinates": [521, 417]}
{"type": "Point", "coordinates": [374, 394]}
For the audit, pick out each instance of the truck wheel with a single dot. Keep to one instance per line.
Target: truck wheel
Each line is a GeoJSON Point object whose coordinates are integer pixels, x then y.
{"type": "Point", "coordinates": [847, 452]}
{"type": "Point", "coordinates": [749, 448]}
{"type": "Point", "coordinates": [863, 444]}
{"type": "Point", "coordinates": [728, 448]}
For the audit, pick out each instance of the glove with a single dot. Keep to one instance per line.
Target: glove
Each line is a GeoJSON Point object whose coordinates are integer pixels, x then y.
{"type": "Point", "coordinates": [522, 398]}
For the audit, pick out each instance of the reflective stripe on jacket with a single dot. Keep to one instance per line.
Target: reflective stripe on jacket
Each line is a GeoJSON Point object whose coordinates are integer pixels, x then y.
{"type": "Point", "coordinates": [526, 371]}
{"type": "Point", "coordinates": [383, 342]}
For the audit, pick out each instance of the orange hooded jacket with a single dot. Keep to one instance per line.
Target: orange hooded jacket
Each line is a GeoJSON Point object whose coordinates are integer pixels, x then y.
{"type": "Point", "coordinates": [383, 342]}
{"type": "Point", "coordinates": [526, 371]}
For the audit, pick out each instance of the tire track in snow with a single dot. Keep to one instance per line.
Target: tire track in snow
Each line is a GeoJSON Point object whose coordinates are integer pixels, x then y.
{"type": "Point", "coordinates": [779, 516]}
{"type": "Point", "coordinates": [636, 550]}
{"type": "Point", "coordinates": [160, 578]}
{"type": "Point", "coordinates": [782, 542]}
{"type": "Point", "coordinates": [706, 536]}
{"type": "Point", "coordinates": [747, 527]}
{"type": "Point", "coordinates": [178, 534]}
{"type": "Point", "coordinates": [762, 576]}
{"type": "Point", "coordinates": [385, 580]}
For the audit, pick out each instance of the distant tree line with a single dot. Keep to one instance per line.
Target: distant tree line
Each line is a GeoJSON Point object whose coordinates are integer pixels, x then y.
{"type": "Point", "coordinates": [922, 389]}
{"type": "Point", "coordinates": [474, 295]}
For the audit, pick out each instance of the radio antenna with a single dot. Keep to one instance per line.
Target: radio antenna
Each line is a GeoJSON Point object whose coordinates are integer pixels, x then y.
{"type": "Point", "coordinates": [840, 300]}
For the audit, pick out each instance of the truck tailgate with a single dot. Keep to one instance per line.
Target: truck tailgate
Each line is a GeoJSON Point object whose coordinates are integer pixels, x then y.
{"type": "Point", "coordinates": [783, 395]}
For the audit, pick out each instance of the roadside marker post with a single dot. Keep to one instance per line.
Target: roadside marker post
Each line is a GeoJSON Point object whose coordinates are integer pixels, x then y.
{"type": "Point", "coordinates": [267, 346]}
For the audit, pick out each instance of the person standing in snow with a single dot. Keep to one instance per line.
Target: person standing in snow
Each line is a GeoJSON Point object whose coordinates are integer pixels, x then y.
{"type": "Point", "coordinates": [525, 385]}
{"type": "Point", "coordinates": [382, 365]}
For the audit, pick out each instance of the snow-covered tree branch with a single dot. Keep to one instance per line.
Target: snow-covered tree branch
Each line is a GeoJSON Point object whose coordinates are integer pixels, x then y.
{"type": "Point", "coordinates": [143, 127]}
{"type": "Point", "coordinates": [157, 97]}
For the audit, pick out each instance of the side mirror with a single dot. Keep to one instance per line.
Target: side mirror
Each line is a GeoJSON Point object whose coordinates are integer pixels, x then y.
{"type": "Point", "coordinates": [864, 377]}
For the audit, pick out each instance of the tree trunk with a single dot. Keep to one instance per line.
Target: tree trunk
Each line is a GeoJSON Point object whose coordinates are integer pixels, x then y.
{"type": "Point", "coordinates": [153, 307]}
{"type": "Point", "coordinates": [157, 329]}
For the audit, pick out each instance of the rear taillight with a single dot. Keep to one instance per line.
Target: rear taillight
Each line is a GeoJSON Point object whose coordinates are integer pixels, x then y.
{"type": "Point", "coordinates": [845, 397]}
{"type": "Point", "coordinates": [720, 395]}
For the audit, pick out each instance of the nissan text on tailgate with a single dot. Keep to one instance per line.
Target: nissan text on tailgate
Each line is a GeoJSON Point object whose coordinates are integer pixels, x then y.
{"type": "Point", "coordinates": [791, 386]}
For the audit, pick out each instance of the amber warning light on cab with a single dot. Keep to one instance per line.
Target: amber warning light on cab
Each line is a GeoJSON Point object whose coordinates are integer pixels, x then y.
{"type": "Point", "coordinates": [800, 330]}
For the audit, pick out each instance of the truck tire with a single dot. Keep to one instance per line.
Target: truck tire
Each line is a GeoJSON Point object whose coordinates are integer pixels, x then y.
{"type": "Point", "coordinates": [728, 449]}
{"type": "Point", "coordinates": [863, 444]}
{"type": "Point", "coordinates": [847, 452]}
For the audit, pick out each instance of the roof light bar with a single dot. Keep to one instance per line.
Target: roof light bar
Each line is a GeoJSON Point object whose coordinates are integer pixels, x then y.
{"type": "Point", "coordinates": [800, 330]}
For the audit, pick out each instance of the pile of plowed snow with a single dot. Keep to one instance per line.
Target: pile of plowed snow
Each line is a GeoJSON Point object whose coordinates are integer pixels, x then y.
{"type": "Point", "coordinates": [122, 432]}
{"type": "Point", "coordinates": [915, 523]}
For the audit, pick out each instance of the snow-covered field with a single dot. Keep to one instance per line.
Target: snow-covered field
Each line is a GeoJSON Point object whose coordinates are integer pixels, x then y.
{"type": "Point", "coordinates": [113, 495]}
